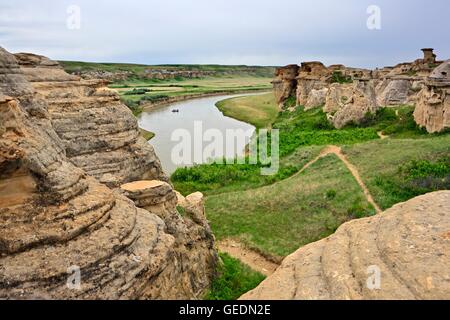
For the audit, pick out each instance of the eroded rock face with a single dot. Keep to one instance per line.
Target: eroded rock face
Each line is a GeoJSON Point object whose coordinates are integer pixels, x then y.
{"type": "Point", "coordinates": [99, 132]}
{"type": "Point", "coordinates": [285, 83]}
{"type": "Point", "coordinates": [56, 220]}
{"type": "Point", "coordinates": [346, 103]}
{"type": "Point", "coordinates": [194, 241]}
{"type": "Point", "coordinates": [409, 245]}
{"type": "Point", "coordinates": [433, 108]}
{"type": "Point", "coordinates": [313, 77]}
{"type": "Point", "coordinates": [349, 94]}
{"type": "Point", "coordinates": [394, 92]}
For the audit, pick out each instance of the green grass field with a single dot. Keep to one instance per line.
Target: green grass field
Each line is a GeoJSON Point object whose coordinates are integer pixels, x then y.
{"type": "Point", "coordinates": [261, 111]}
{"type": "Point", "coordinates": [381, 164]}
{"type": "Point", "coordinates": [280, 218]}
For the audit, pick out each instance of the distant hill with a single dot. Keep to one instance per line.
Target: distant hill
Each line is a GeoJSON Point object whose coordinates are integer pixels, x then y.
{"type": "Point", "coordinates": [166, 71]}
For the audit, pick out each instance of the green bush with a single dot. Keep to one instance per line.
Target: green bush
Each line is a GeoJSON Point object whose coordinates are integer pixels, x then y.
{"type": "Point", "coordinates": [415, 178]}
{"type": "Point", "coordinates": [155, 98]}
{"type": "Point", "coordinates": [137, 91]}
{"type": "Point", "coordinates": [331, 194]}
{"type": "Point", "coordinates": [235, 279]}
{"type": "Point", "coordinates": [338, 77]}
{"type": "Point", "coordinates": [358, 210]}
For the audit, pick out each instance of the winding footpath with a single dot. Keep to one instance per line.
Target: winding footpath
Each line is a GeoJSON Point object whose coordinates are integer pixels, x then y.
{"type": "Point", "coordinates": [260, 263]}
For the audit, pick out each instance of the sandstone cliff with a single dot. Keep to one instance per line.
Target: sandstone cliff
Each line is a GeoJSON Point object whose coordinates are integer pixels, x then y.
{"type": "Point", "coordinates": [408, 247]}
{"type": "Point", "coordinates": [99, 132]}
{"type": "Point", "coordinates": [284, 83]}
{"type": "Point", "coordinates": [55, 218]}
{"type": "Point", "coordinates": [348, 94]}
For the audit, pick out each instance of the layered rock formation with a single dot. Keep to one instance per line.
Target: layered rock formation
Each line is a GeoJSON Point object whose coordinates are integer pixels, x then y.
{"type": "Point", "coordinates": [347, 103]}
{"type": "Point", "coordinates": [403, 253]}
{"type": "Point", "coordinates": [433, 108]}
{"type": "Point", "coordinates": [312, 80]}
{"type": "Point", "coordinates": [285, 84]}
{"type": "Point", "coordinates": [194, 242]}
{"type": "Point", "coordinates": [349, 94]}
{"type": "Point", "coordinates": [63, 234]}
{"type": "Point", "coordinates": [98, 131]}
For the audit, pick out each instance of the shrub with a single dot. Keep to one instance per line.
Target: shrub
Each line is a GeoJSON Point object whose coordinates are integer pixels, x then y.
{"type": "Point", "coordinates": [338, 77]}
{"type": "Point", "coordinates": [136, 91]}
{"type": "Point", "coordinates": [358, 211]}
{"type": "Point", "coordinates": [155, 98]}
{"type": "Point", "coordinates": [331, 194]}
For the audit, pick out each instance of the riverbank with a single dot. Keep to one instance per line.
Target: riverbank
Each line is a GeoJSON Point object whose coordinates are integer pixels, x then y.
{"type": "Point", "coordinates": [260, 111]}
{"type": "Point", "coordinates": [147, 107]}
{"type": "Point", "coordinates": [164, 123]}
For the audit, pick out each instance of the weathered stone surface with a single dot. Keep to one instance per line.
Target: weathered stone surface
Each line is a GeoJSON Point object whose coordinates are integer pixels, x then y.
{"type": "Point", "coordinates": [312, 76]}
{"type": "Point", "coordinates": [285, 84]}
{"type": "Point", "coordinates": [194, 241]}
{"type": "Point", "coordinates": [433, 108]}
{"type": "Point", "coordinates": [100, 134]}
{"type": "Point", "coordinates": [347, 103]}
{"type": "Point", "coordinates": [316, 98]}
{"type": "Point", "coordinates": [409, 244]}
{"type": "Point", "coordinates": [55, 219]}
{"type": "Point", "coordinates": [394, 92]}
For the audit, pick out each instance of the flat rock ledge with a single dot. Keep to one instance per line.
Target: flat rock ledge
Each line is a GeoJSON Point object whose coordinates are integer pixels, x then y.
{"type": "Point", "coordinates": [403, 253]}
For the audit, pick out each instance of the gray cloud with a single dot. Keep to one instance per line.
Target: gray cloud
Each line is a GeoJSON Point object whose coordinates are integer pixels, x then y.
{"type": "Point", "coordinates": [227, 31]}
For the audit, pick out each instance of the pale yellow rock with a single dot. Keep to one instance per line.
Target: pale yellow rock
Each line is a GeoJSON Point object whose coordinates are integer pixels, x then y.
{"type": "Point", "coordinates": [403, 253]}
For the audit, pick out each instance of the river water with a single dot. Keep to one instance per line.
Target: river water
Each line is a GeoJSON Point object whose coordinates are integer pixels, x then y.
{"type": "Point", "coordinates": [164, 123]}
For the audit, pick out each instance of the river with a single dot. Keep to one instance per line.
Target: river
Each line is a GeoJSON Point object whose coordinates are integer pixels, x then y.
{"type": "Point", "coordinates": [163, 122]}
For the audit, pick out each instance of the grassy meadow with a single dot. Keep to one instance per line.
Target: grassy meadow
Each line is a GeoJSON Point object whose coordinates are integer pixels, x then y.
{"type": "Point", "coordinates": [260, 111]}
{"type": "Point", "coordinates": [276, 215]}
{"type": "Point", "coordinates": [278, 219]}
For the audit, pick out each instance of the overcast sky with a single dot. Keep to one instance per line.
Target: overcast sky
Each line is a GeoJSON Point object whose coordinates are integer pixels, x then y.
{"type": "Point", "coordinates": [255, 32]}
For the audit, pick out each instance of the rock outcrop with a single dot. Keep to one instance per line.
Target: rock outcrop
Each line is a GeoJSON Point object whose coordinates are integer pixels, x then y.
{"type": "Point", "coordinates": [433, 108]}
{"type": "Point", "coordinates": [194, 241]}
{"type": "Point", "coordinates": [403, 253]}
{"type": "Point", "coordinates": [349, 94]}
{"type": "Point", "coordinates": [285, 84]}
{"type": "Point", "coordinates": [98, 131]}
{"type": "Point", "coordinates": [63, 234]}
{"type": "Point", "coordinates": [312, 80]}
{"type": "Point", "coordinates": [347, 103]}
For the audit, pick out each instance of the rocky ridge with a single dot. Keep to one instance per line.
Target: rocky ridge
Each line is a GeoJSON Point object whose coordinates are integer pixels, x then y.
{"type": "Point", "coordinates": [56, 219]}
{"type": "Point", "coordinates": [403, 253]}
{"type": "Point", "coordinates": [348, 94]}
{"type": "Point", "coordinates": [99, 133]}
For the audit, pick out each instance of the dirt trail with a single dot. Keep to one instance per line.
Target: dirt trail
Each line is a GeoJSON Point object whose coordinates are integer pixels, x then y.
{"type": "Point", "coordinates": [353, 170]}
{"type": "Point", "coordinates": [250, 257]}
{"type": "Point", "coordinates": [260, 263]}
